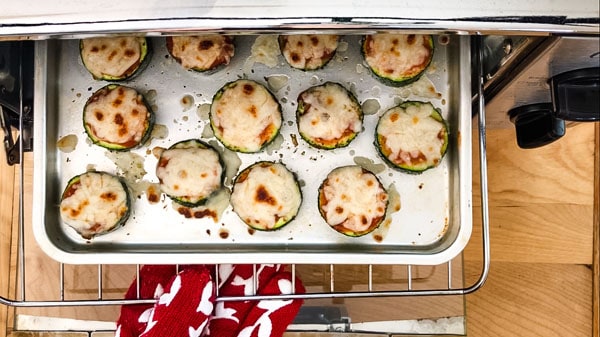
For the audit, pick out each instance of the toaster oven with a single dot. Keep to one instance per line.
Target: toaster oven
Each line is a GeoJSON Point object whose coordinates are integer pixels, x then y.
{"type": "Point", "coordinates": [478, 49]}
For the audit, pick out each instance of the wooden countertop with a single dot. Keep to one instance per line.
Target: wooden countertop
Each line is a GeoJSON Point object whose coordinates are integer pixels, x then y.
{"type": "Point", "coordinates": [542, 212]}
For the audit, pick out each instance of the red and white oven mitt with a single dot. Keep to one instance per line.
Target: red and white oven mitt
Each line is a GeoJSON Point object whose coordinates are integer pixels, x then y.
{"type": "Point", "coordinates": [186, 303]}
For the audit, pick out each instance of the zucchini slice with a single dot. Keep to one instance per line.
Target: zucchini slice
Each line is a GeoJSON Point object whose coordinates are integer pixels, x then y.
{"type": "Point", "coordinates": [189, 172]}
{"type": "Point", "coordinates": [412, 136]}
{"type": "Point", "coordinates": [308, 52]}
{"type": "Point", "coordinates": [328, 116]}
{"type": "Point", "coordinates": [352, 200]}
{"type": "Point", "coordinates": [95, 203]}
{"type": "Point", "coordinates": [118, 118]}
{"type": "Point", "coordinates": [114, 58]}
{"type": "Point", "coordinates": [245, 116]}
{"type": "Point", "coordinates": [201, 53]}
{"type": "Point", "coordinates": [397, 59]}
{"type": "Point", "coordinates": [266, 196]}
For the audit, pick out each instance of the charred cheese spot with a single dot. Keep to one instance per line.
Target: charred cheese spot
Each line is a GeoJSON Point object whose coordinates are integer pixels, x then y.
{"type": "Point", "coordinates": [186, 212]}
{"type": "Point", "coordinates": [252, 111]}
{"type": "Point", "coordinates": [410, 39]}
{"type": "Point", "coordinates": [118, 119]}
{"type": "Point", "coordinates": [153, 197]}
{"type": "Point", "coordinates": [262, 195]}
{"type": "Point", "coordinates": [204, 213]}
{"type": "Point", "coordinates": [205, 44]}
{"type": "Point", "coordinates": [248, 89]}
{"type": "Point", "coordinates": [108, 196]}
{"type": "Point", "coordinates": [112, 55]}
{"type": "Point", "coordinates": [99, 115]}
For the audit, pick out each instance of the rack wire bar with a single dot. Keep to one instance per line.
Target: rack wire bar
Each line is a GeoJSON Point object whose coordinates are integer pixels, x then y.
{"type": "Point", "coordinates": [370, 292]}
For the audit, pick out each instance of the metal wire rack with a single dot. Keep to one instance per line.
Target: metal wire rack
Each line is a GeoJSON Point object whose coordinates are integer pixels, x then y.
{"type": "Point", "coordinates": [450, 288]}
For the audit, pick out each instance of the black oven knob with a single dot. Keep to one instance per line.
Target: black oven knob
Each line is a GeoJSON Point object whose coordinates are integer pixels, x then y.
{"type": "Point", "coordinates": [536, 125]}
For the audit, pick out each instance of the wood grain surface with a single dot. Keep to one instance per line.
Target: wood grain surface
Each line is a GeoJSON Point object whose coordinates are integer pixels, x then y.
{"type": "Point", "coordinates": [596, 253]}
{"type": "Point", "coordinates": [542, 221]}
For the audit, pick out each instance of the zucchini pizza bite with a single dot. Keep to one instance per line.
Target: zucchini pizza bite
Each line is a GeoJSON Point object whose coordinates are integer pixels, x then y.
{"type": "Point", "coordinates": [308, 52]}
{"type": "Point", "coordinates": [245, 116]}
{"type": "Point", "coordinates": [397, 59]}
{"type": "Point", "coordinates": [201, 53]}
{"type": "Point", "coordinates": [328, 116]}
{"type": "Point", "coordinates": [189, 172]}
{"type": "Point", "coordinates": [352, 200]}
{"type": "Point", "coordinates": [412, 136]}
{"type": "Point", "coordinates": [95, 203]}
{"type": "Point", "coordinates": [114, 58]}
{"type": "Point", "coordinates": [118, 118]}
{"type": "Point", "coordinates": [266, 196]}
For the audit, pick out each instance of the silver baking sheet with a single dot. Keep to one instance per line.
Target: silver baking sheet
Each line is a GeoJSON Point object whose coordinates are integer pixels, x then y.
{"type": "Point", "coordinates": [432, 225]}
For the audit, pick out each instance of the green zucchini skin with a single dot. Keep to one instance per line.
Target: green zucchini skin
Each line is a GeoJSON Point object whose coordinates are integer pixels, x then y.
{"type": "Point", "coordinates": [340, 228]}
{"type": "Point", "coordinates": [303, 108]}
{"type": "Point", "coordinates": [114, 146]}
{"type": "Point", "coordinates": [283, 41]}
{"type": "Point", "coordinates": [196, 143]}
{"type": "Point", "coordinates": [146, 51]}
{"type": "Point", "coordinates": [416, 168]}
{"type": "Point", "coordinates": [122, 220]}
{"type": "Point", "coordinates": [281, 222]}
{"type": "Point", "coordinates": [219, 134]}
{"type": "Point", "coordinates": [402, 80]}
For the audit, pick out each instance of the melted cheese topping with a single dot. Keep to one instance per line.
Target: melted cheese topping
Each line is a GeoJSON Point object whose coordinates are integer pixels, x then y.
{"type": "Point", "coordinates": [329, 113]}
{"type": "Point", "coordinates": [246, 116]}
{"type": "Point", "coordinates": [354, 198]}
{"type": "Point", "coordinates": [411, 135]}
{"type": "Point", "coordinates": [117, 116]}
{"type": "Point", "coordinates": [268, 196]}
{"type": "Point", "coordinates": [95, 204]}
{"type": "Point", "coordinates": [201, 52]}
{"type": "Point", "coordinates": [308, 51]}
{"type": "Point", "coordinates": [111, 56]}
{"type": "Point", "coordinates": [396, 56]}
{"type": "Point", "coordinates": [193, 173]}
